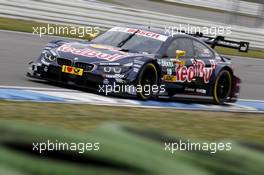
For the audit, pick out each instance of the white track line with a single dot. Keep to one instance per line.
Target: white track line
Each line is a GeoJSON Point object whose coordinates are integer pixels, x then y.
{"type": "Point", "coordinates": [38, 88]}
{"type": "Point", "coordinates": [76, 91]}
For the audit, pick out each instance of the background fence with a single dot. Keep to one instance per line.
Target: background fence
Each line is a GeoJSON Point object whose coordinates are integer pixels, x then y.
{"type": "Point", "coordinates": [76, 12]}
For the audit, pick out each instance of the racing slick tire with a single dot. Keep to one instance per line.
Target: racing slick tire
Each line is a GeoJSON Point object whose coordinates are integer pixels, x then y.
{"type": "Point", "coordinates": [148, 76]}
{"type": "Point", "coordinates": [222, 87]}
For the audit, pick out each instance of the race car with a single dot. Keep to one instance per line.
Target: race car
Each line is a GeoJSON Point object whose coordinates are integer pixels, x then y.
{"type": "Point", "coordinates": [143, 62]}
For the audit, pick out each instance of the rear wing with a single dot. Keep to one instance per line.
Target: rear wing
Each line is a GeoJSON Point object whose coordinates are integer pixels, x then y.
{"type": "Point", "coordinates": [221, 41]}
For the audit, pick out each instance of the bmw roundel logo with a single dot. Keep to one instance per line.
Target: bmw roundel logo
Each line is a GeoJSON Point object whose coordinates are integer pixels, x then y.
{"type": "Point", "coordinates": [76, 59]}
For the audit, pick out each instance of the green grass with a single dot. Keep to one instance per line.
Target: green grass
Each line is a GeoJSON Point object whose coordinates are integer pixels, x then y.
{"type": "Point", "coordinates": [190, 124]}
{"type": "Point", "coordinates": [114, 2]}
{"type": "Point", "coordinates": [234, 52]}
{"type": "Point", "coordinates": [26, 26]}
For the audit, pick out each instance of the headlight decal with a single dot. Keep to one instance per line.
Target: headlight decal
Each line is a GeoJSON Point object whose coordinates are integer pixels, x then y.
{"type": "Point", "coordinates": [107, 69]}
{"type": "Point", "coordinates": [48, 56]}
{"type": "Point", "coordinates": [115, 69]}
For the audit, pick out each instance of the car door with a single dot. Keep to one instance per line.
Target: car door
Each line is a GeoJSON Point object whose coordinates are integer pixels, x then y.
{"type": "Point", "coordinates": [175, 70]}
{"type": "Point", "coordinates": [204, 62]}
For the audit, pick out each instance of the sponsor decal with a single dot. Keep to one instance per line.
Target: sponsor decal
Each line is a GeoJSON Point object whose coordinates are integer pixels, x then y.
{"type": "Point", "coordinates": [141, 33]}
{"type": "Point", "coordinates": [169, 78]}
{"type": "Point", "coordinates": [89, 53]}
{"type": "Point", "coordinates": [72, 70]}
{"type": "Point", "coordinates": [169, 71]}
{"type": "Point", "coordinates": [197, 69]}
{"type": "Point", "coordinates": [135, 70]}
{"type": "Point", "coordinates": [109, 64]}
{"type": "Point", "coordinates": [226, 43]}
{"type": "Point", "coordinates": [114, 76]}
{"type": "Point", "coordinates": [137, 65]}
{"type": "Point", "coordinates": [202, 91]}
{"type": "Point", "coordinates": [189, 89]}
{"type": "Point", "coordinates": [165, 63]}
{"type": "Point", "coordinates": [118, 80]}
{"type": "Point", "coordinates": [139, 62]}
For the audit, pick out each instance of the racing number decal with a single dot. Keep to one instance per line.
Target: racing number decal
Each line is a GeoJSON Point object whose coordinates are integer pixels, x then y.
{"type": "Point", "coordinates": [72, 70]}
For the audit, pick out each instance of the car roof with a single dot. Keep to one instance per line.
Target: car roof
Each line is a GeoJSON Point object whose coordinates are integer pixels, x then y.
{"type": "Point", "coordinates": [155, 30]}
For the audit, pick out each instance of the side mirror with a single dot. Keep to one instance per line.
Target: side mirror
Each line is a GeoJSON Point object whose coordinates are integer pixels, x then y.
{"type": "Point", "coordinates": [180, 53]}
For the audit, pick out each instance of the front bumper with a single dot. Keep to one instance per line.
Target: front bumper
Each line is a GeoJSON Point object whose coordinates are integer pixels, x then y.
{"type": "Point", "coordinates": [54, 73]}
{"type": "Point", "coordinates": [93, 80]}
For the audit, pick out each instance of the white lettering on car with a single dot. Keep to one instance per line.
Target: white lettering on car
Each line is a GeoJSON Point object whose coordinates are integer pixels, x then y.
{"type": "Point", "coordinates": [141, 33]}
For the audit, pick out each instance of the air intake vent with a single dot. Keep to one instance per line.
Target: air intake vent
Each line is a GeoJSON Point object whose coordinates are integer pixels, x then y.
{"type": "Point", "coordinates": [62, 61]}
{"type": "Point", "coordinates": [85, 66]}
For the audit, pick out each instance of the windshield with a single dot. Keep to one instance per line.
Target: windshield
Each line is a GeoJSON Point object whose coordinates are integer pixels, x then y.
{"type": "Point", "coordinates": [132, 40]}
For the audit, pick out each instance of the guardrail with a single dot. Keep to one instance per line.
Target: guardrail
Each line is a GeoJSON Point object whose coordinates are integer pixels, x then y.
{"type": "Point", "coordinates": [78, 12]}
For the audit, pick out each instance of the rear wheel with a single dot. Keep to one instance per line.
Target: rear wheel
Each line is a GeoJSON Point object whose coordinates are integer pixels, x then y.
{"type": "Point", "coordinates": [148, 77]}
{"type": "Point", "coordinates": [222, 87]}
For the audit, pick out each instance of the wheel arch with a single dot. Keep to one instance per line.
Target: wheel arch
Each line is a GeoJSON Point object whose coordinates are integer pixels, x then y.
{"type": "Point", "coordinates": [158, 69]}
{"type": "Point", "coordinates": [225, 68]}
{"type": "Point", "coordinates": [217, 71]}
{"type": "Point", "coordinates": [157, 66]}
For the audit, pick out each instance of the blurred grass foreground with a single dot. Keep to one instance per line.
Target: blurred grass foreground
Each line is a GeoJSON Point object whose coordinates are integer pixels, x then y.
{"type": "Point", "coordinates": [124, 150]}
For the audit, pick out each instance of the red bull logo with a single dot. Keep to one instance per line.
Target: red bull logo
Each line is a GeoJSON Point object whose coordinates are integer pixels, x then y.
{"type": "Point", "coordinates": [198, 69]}
{"type": "Point", "coordinates": [89, 53]}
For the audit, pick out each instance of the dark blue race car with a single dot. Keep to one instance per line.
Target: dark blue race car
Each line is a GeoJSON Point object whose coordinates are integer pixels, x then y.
{"type": "Point", "coordinates": [143, 62]}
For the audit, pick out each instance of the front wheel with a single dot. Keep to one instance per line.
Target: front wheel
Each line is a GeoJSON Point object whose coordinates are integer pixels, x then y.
{"type": "Point", "coordinates": [147, 79]}
{"type": "Point", "coordinates": [222, 87]}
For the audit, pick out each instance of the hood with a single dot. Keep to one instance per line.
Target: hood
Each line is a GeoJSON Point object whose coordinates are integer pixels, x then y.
{"type": "Point", "coordinates": [93, 53]}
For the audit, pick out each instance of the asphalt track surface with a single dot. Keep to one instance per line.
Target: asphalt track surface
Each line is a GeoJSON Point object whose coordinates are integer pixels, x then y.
{"type": "Point", "coordinates": [17, 49]}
